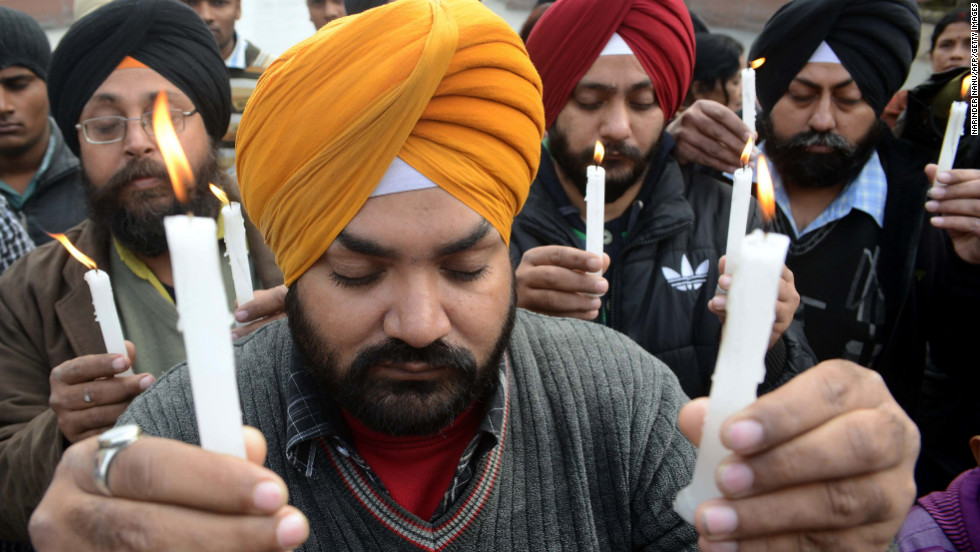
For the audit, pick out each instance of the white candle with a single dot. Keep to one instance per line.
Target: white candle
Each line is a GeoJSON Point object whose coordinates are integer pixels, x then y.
{"type": "Point", "coordinates": [741, 360]}
{"type": "Point", "coordinates": [748, 98]}
{"type": "Point", "coordinates": [595, 211]}
{"type": "Point", "coordinates": [739, 216]}
{"type": "Point", "coordinates": [951, 140]}
{"type": "Point", "coordinates": [236, 249]}
{"type": "Point", "coordinates": [106, 315]}
{"type": "Point", "coordinates": [204, 320]}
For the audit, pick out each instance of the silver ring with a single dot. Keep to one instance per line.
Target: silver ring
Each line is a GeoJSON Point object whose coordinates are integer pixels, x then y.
{"type": "Point", "coordinates": [87, 398]}
{"type": "Point", "coordinates": [719, 291]}
{"type": "Point", "coordinates": [111, 443]}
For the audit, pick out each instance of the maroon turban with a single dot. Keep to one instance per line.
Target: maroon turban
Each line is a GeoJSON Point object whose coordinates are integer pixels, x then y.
{"type": "Point", "coordinates": [568, 38]}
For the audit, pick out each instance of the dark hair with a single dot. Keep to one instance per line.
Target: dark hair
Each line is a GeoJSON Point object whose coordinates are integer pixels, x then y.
{"type": "Point", "coordinates": [955, 16]}
{"type": "Point", "coordinates": [532, 19]}
{"type": "Point", "coordinates": [717, 59]}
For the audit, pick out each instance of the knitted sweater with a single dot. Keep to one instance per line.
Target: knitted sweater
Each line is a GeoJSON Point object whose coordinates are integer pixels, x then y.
{"type": "Point", "coordinates": [590, 457]}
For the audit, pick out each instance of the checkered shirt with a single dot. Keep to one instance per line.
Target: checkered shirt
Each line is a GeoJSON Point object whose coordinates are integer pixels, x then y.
{"type": "Point", "coordinates": [311, 418]}
{"type": "Point", "coordinates": [14, 241]}
{"type": "Point", "coordinates": [866, 193]}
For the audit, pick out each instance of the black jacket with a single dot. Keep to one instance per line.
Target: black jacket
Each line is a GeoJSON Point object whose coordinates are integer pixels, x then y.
{"type": "Point", "coordinates": [58, 202]}
{"type": "Point", "coordinates": [681, 228]}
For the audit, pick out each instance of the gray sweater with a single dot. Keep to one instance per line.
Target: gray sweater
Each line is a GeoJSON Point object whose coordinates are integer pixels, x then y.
{"type": "Point", "coordinates": [591, 457]}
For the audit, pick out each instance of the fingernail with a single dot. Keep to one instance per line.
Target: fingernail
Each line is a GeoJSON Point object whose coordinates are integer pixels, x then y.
{"type": "Point", "coordinates": [292, 530]}
{"type": "Point", "coordinates": [602, 286]}
{"type": "Point", "coordinates": [932, 206]}
{"type": "Point", "coordinates": [146, 382]}
{"type": "Point", "coordinates": [709, 546]}
{"type": "Point", "coordinates": [596, 304]}
{"type": "Point", "coordinates": [720, 302]}
{"type": "Point", "coordinates": [937, 193]}
{"type": "Point", "coordinates": [234, 335]}
{"type": "Point", "coordinates": [241, 315]}
{"type": "Point", "coordinates": [937, 221]}
{"type": "Point", "coordinates": [725, 281]}
{"type": "Point", "coordinates": [735, 478]}
{"type": "Point", "coordinates": [719, 520]}
{"type": "Point", "coordinates": [944, 176]}
{"type": "Point", "coordinates": [119, 363]}
{"type": "Point", "coordinates": [746, 434]}
{"type": "Point", "coordinates": [594, 264]}
{"type": "Point", "coordinates": [268, 497]}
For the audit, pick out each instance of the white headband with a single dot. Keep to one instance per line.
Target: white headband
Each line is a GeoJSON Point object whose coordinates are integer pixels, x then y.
{"type": "Point", "coordinates": [824, 54]}
{"type": "Point", "coordinates": [401, 177]}
{"type": "Point", "coordinates": [616, 47]}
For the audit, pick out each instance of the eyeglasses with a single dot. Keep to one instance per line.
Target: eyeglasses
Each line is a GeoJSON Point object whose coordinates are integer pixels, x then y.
{"type": "Point", "coordinates": [112, 129]}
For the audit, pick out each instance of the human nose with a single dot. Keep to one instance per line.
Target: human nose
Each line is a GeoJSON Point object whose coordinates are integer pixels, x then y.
{"type": "Point", "coordinates": [137, 142]}
{"type": "Point", "coordinates": [822, 118]}
{"type": "Point", "coordinates": [416, 315]}
{"type": "Point", "coordinates": [6, 106]}
{"type": "Point", "coordinates": [615, 125]}
{"type": "Point", "coordinates": [203, 9]}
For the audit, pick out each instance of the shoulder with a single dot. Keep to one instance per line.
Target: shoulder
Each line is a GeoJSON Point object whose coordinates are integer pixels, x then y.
{"type": "Point", "coordinates": [588, 356]}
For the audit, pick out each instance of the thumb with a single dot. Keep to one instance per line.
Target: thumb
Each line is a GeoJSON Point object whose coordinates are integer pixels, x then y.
{"type": "Point", "coordinates": [255, 448]}
{"type": "Point", "coordinates": [691, 419]}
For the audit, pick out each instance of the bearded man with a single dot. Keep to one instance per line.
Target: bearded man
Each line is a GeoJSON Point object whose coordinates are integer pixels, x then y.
{"type": "Point", "coordinates": [57, 380]}
{"type": "Point", "coordinates": [879, 278]}
{"type": "Point", "coordinates": [665, 227]}
{"type": "Point", "coordinates": [406, 403]}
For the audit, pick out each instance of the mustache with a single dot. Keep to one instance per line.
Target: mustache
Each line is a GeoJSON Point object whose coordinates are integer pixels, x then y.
{"type": "Point", "coordinates": [616, 149]}
{"type": "Point", "coordinates": [134, 170]}
{"type": "Point", "coordinates": [828, 139]}
{"type": "Point", "coordinates": [395, 351]}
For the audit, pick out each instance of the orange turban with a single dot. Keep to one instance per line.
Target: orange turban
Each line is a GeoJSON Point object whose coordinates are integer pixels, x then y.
{"type": "Point", "coordinates": [445, 85]}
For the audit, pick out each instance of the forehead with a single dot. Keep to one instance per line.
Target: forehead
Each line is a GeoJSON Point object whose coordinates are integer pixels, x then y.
{"type": "Point", "coordinates": [615, 70]}
{"type": "Point", "coordinates": [414, 222]}
{"type": "Point", "coordinates": [15, 71]}
{"type": "Point", "coordinates": [824, 74]}
{"type": "Point", "coordinates": [135, 87]}
{"type": "Point", "coordinates": [953, 30]}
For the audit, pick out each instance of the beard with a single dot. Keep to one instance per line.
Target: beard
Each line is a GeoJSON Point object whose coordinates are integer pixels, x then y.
{"type": "Point", "coordinates": [621, 173]}
{"type": "Point", "coordinates": [396, 407]}
{"type": "Point", "coordinates": [801, 168]}
{"type": "Point", "coordinates": [135, 217]}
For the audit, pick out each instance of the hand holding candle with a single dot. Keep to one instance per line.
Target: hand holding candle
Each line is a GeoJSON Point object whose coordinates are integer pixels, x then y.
{"type": "Point", "coordinates": [103, 301]}
{"type": "Point", "coordinates": [954, 129]}
{"type": "Point", "coordinates": [204, 316]}
{"type": "Point", "coordinates": [741, 360]}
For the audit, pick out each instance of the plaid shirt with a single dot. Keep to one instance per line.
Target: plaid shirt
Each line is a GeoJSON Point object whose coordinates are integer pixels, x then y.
{"type": "Point", "coordinates": [309, 419]}
{"type": "Point", "coordinates": [866, 193]}
{"type": "Point", "coordinates": [14, 241]}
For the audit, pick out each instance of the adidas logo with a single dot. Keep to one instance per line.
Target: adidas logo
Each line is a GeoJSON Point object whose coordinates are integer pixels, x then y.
{"type": "Point", "coordinates": [688, 279]}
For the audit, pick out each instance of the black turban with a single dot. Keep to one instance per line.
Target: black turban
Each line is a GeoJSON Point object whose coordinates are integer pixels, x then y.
{"type": "Point", "coordinates": [164, 35]}
{"type": "Point", "coordinates": [875, 40]}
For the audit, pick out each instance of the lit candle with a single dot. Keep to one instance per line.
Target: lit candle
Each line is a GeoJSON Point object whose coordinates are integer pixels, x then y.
{"type": "Point", "coordinates": [236, 246]}
{"type": "Point", "coordinates": [204, 318]}
{"type": "Point", "coordinates": [103, 301]}
{"type": "Point", "coordinates": [739, 216]}
{"type": "Point", "coordinates": [741, 360]}
{"type": "Point", "coordinates": [954, 129]}
{"type": "Point", "coordinates": [748, 93]}
{"type": "Point", "coordinates": [595, 205]}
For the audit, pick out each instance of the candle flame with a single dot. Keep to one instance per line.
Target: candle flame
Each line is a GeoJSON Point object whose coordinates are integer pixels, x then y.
{"type": "Point", "coordinates": [82, 257]}
{"type": "Point", "coordinates": [747, 152]}
{"type": "Point", "coordinates": [181, 176]}
{"type": "Point", "coordinates": [766, 195]}
{"type": "Point", "coordinates": [965, 90]}
{"type": "Point", "coordinates": [757, 63]}
{"type": "Point", "coordinates": [600, 153]}
{"type": "Point", "coordinates": [219, 193]}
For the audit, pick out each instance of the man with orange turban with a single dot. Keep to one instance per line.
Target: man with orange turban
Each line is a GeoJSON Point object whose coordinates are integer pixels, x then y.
{"type": "Point", "coordinates": [407, 404]}
{"type": "Point", "coordinates": [614, 71]}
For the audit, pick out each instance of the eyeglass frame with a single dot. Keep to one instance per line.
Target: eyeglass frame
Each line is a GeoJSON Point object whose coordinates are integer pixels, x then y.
{"type": "Point", "coordinates": [147, 125]}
